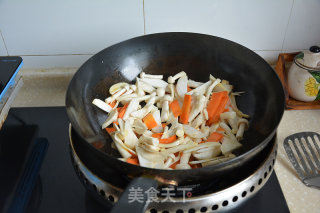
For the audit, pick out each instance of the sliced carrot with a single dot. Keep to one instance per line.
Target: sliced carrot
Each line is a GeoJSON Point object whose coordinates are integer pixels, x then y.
{"type": "Point", "coordinates": [164, 125]}
{"type": "Point", "coordinates": [149, 121]}
{"type": "Point", "coordinates": [110, 130]}
{"type": "Point", "coordinates": [119, 109]}
{"type": "Point", "coordinates": [157, 135]}
{"type": "Point", "coordinates": [188, 89]}
{"type": "Point", "coordinates": [133, 160]}
{"type": "Point", "coordinates": [226, 110]}
{"type": "Point", "coordinates": [201, 142]}
{"type": "Point", "coordinates": [220, 129]}
{"type": "Point", "coordinates": [123, 110]}
{"type": "Point", "coordinates": [112, 104]}
{"type": "Point", "coordinates": [215, 118]}
{"type": "Point", "coordinates": [175, 108]}
{"type": "Point", "coordinates": [173, 166]}
{"type": "Point", "coordinates": [214, 105]}
{"type": "Point", "coordinates": [186, 108]}
{"type": "Point", "coordinates": [168, 140]}
{"type": "Point", "coordinates": [215, 137]}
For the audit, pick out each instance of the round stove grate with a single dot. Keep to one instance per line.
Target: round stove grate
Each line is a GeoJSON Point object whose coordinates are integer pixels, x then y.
{"type": "Point", "coordinates": [223, 199]}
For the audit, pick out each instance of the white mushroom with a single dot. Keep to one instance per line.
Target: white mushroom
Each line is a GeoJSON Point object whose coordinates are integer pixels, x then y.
{"type": "Point", "coordinates": [192, 132]}
{"type": "Point", "coordinates": [211, 87]}
{"type": "Point", "coordinates": [183, 166]}
{"type": "Point", "coordinates": [133, 106]}
{"type": "Point", "coordinates": [117, 94]}
{"type": "Point", "coordinates": [242, 124]}
{"type": "Point", "coordinates": [113, 115]}
{"type": "Point", "coordinates": [139, 91]}
{"type": "Point", "coordinates": [130, 139]}
{"type": "Point", "coordinates": [181, 147]}
{"type": "Point", "coordinates": [155, 82]}
{"type": "Point", "coordinates": [199, 105]}
{"type": "Point", "coordinates": [120, 146]}
{"type": "Point", "coordinates": [172, 79]}
{"type": "Point", "coordinates": [139, 127]}
{"type": "Point", "coordinates": [161, 92]}
{"type": "Point", "coordinates": [201, 89]}
{"type": "Point", "coordinates": [228, 145]}
{"type": "Point", "coordinates": [198, 121]}
{"type": "Point", "coordinates": [228, 115]}
{"type": "Point", "coordinates": [141, 113]}
{"type": "Point", "coordinates": [207, 153]}
{"type": "Point", "coordinates": [116, 87]}
{"type": "Point", "coordinates": [102, 105]}
{"type": "Point", "coordinates": [144, 75]}
{"type": "Point", "coordinates": [194, 84]}
{"type": "Point", "coordinates": [182, 86]}
{"type": "Point", "coordinates": [149, 159]}
{"type": "Point", "coordinates": [165, 108]}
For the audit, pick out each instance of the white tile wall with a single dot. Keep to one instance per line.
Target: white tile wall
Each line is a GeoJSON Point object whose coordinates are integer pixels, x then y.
{"type": "Point", "coordinates": [304, 26]}
{"type": "Point", "coordinates": [52, 61]}
{"type": "Point", "coordinates": [44, 27]}
{"type": "Point", "coordinates": [3, 51]}
{"type": "Point", "coordinates": [258, 25]}
{"type": "Point", "coordinates": [64, 33]}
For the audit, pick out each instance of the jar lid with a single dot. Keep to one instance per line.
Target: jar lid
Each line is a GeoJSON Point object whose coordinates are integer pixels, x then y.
{"type": "Point", "coordinates": [309, 59]}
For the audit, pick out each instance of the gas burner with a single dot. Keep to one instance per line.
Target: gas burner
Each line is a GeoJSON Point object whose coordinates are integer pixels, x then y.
{"type": "Point", "coordinates": [224, 195]}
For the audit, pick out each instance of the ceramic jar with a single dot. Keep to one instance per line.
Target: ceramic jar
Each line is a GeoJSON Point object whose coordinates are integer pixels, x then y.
{"type": "Point", "coordinates": [304, 75]}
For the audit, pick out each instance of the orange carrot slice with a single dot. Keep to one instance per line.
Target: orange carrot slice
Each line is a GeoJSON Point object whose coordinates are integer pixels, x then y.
{"type": "Point", "coordinates": [157, 135]}
{"type": "Point", "coordinates": [123, 110]}
{"type": "Point", "coordinates": [215, 137]}
{"type": "Point", "coordinates": [188, 89]}
{"type": "Point", "coordinates": [168, 140]}
{"type": "Point", "coordinates": [214, 104]}
{"type": "Point", "coordinates": [110, 130]}
{"type": "Point", "coordinates": [112, 104]}
{"type": "Point", "coordinates": [186, 108]}
{"type": "Point", "coordinates": [149, 121]}
{"type": "Point", "coordinates": [133, 160]}
{"type": "Point", "coordinates": [216, 116]}
{"type": "Point", "coordinates": [164, 125]}
{"type": "Point", "coordinates": [175, 108]}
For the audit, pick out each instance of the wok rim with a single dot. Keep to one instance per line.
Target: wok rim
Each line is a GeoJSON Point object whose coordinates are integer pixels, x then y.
{"type": "Point", "coordinates": [240, 157]}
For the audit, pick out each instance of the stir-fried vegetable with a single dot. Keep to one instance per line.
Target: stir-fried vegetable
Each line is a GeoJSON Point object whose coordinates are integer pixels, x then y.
{"type": "Point", "coordinates": [164, 125]}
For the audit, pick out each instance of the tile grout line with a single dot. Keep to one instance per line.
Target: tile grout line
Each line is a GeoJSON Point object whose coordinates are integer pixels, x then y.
{"type": "Point", "coordinates": [144, 18]}
{"type": "Point", "coordinates": [285, 33]}
{"type": "Point", "coordinates": [4, 43]}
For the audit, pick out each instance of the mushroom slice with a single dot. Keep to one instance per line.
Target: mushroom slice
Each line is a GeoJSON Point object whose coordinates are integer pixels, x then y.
{"type": "Point", "coordinates": [211, 87]}
{"type": "Point", "coordinates": [242, 125]}
{"type": "Point", "coordinates": [139, 127]}
{"type": "Point", "coordinates": [182, 86]}
{"type": "Point", "coordinates": [149, 159]}
{"type": "Point", "coordinates": [194, 84]}
{"type": "Point", "coordinates": [228, 115]}
{"type": "Point", "coordinates": [228, 145]}
{"type": "Point", "coordinates": [133, 106]}
{"type": "Point", "coordinates": [207, 153]}
{"type": "Point", "coordinates": [178, 148]}
{"type": "Point", "coordinates": [141, 113]}
{"type": "Point", "coordinates": [157, 118]}
{"type": "Point", "coordinates": [192, 132]}
{"type": "Point", "coordinates": [113, 115]}
{"type": "Point", "coordinates": [155, 82]}
{"type": "Point", "coordinates": [116, 87]}
{"type": "Point", "coordinates": [130, 139]}
{"type": "Point", "coordinates": [198, 121]}
{"type": "Point", "coordinates": [183, 166]}
{"type": "Point", "coordinates": [203, 145]}
{"type": "Point", "coordinates": [198, 107]}
{"type": "Point", "coordinates": [102, 105]}
{"type": "Point", "coordinates": [201, 89]}
{"type": "Point", "coordinates": [120, 146]}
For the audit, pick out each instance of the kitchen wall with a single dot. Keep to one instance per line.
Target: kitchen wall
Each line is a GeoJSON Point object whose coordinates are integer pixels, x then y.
{"type": "Point", "coordinates": [65, 33]}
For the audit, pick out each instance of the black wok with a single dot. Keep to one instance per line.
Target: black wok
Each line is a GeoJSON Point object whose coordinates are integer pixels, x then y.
{"type": "Point", "coordinates": [168, 53]}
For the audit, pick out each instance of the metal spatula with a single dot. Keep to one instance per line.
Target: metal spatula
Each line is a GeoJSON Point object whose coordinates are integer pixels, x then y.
{"type": "Point", "coordinates": [304, 153]}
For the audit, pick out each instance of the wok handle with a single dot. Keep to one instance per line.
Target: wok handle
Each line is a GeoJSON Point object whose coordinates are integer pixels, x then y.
{"type": "Point", "coordinates": [134, 199]}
